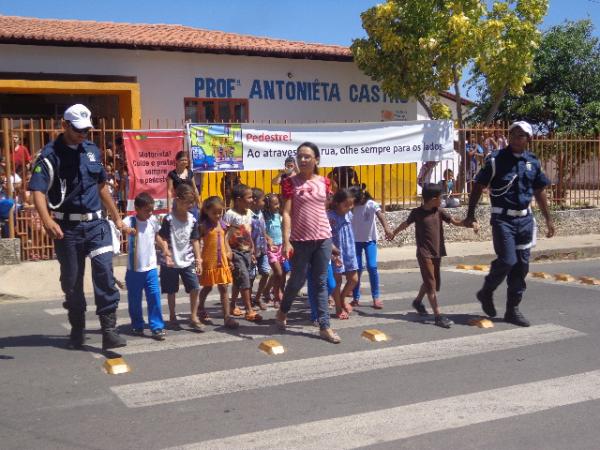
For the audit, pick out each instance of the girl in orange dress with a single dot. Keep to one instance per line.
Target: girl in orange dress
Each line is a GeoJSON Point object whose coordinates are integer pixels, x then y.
{"type": "Point", "coordinates": [216, 257]}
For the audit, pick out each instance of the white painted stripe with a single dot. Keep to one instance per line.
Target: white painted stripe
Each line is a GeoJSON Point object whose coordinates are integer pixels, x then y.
{"type": "Point", "coordinates": [180, 340]}
{"type": "Point", "coordinates": [403, 422]}
{"type": "Point", "coordinates": [255, 377]}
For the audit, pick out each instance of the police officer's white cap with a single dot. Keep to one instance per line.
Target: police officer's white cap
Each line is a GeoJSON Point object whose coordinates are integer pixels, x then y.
{"type": "Point", "coordinates": [79, 116]}
{"type": "Point", "coordinates": [523, 126]}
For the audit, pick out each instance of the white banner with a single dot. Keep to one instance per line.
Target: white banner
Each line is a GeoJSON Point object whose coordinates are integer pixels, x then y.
{"type": "Point", "coordinates": [226, 147]}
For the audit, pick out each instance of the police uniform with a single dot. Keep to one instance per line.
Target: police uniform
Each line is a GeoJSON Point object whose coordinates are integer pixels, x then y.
{"type": "Point", "coordinates": [511, 180]}
{"type": "Point", "coordinates": [70, 178]}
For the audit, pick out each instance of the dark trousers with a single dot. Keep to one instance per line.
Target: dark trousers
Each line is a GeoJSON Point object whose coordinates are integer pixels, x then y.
{"type": "Point", "coordinates": [513, 238]}
{"type": "Point", "coordinates": [83, 239]}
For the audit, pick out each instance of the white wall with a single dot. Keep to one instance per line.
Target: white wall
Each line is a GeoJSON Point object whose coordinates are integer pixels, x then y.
{"type": "Point", "coordinates": [166, 78]}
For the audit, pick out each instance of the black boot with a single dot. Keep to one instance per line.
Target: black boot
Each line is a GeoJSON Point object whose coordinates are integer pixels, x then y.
{"type": "Point", "coordinates": [513, 315]}
{"type": "Point", "coordinates": [487, 303]}
{"type": "Point", "coordinates": [77, 336]}
{"type": "Point", "coordinates": [110, 337]}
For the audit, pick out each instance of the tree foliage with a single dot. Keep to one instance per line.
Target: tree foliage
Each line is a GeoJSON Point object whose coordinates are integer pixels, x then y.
{"type": "Point", "coordinates": [563, 95]}
{"type": "Point", "coordinates": [417, 48]}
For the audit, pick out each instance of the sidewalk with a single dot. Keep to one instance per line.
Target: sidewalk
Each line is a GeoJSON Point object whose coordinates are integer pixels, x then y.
{"type": "Point", "coordinates": [40, 280]}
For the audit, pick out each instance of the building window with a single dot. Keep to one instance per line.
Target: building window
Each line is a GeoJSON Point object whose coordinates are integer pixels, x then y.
{"type": "Point", "coordinates": [204, 110]}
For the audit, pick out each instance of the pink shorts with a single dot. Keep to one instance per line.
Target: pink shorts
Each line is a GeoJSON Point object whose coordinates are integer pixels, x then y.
{"type": "Point", "coordinates": [275, 256]}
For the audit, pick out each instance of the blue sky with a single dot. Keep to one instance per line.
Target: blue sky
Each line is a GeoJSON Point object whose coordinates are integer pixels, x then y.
{"type": "Point", "coordinates": [326, 21]}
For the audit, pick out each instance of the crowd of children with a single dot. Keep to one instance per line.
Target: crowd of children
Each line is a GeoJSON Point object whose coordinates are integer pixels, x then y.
{"type": "Point", "coordinates": [235, 246]}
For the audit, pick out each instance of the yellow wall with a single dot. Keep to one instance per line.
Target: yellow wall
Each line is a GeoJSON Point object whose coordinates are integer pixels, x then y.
{"type": "Point", "coordinates": [129, 93]}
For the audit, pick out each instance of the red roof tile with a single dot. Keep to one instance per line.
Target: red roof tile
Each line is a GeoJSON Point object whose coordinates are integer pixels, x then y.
{"type": "Point", "coordinates": [84, 33]}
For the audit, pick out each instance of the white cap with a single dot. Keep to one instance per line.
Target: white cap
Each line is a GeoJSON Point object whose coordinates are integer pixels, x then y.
{"type": "Point", "coordinates": [79, 116]}
{"type": "Point", "coordinates": [523, 126]}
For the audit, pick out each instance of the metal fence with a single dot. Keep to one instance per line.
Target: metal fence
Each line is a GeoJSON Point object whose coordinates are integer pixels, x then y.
{"type": "Point", "coordinates": [572, 164]}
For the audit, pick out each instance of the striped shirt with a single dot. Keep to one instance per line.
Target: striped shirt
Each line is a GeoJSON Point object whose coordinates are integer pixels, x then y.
{"type": "Point", "coordinates": [309, 214]}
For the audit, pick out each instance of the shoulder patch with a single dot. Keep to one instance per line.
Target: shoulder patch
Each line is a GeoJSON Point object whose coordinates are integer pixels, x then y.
{"type": "Point", "coordinates": [37, 169]}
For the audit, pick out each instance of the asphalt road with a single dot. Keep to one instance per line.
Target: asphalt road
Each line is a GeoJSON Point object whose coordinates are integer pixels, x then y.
{"type": "Point", "coordinates": [425, 388]}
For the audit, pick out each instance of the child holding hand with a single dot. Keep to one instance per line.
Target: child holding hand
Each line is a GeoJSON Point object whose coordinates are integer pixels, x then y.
{"type": "Point", "coordinates": [429, 234]}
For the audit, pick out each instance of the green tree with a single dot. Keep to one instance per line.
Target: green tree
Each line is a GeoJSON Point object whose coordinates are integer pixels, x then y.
{"type": "Point", "coordinates": [563, 95]}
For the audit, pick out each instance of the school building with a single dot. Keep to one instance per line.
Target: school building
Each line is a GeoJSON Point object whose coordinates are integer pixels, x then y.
{"type": "Point", "coordinates": [149, 74]}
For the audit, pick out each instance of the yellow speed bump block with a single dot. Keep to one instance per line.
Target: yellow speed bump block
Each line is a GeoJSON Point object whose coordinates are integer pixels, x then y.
{"type": "Point", "coordinates": [374, 335]}
{"type": "Point", "coordinates": [116, 366]}
{"type": "Point", "coordinates": [481, 267]}
{"type": "Point", "coordinates": [271, 347]}
{"type": "Point", "coordinates": [544, 275]}
{"type": "Point", "coordinates": [464, 267]}
{"type": "Point", "coordinates": [590, 280]}
{"type": "Point", "coordinates": [481, 322]}
{"type": "Point", "coordinates": [563, 277]}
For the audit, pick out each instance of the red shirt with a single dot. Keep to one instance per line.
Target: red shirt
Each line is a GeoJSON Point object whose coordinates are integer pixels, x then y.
{"type": "Point", "coordinates": [21, 157]}
{"type": "Point", "coordinates": [309, 214]}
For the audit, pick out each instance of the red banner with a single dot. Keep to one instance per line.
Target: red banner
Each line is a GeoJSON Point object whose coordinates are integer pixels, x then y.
{"type": "Point", "coordinates": [150, 157]}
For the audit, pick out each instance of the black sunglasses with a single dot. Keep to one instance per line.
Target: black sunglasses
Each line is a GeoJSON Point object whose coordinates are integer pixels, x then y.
{"type": "Point", "coordinates": [79, 130]}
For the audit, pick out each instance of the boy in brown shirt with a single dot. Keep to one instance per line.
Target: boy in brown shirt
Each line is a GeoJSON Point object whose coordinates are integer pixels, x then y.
{"type": "Point", "coordinates": [429, 233]}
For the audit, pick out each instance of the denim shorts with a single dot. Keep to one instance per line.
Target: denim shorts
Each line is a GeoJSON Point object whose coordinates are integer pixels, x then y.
{"type": "Point", "coordinates": [262, 264]}
{"type": "Point", "coordinates": [242, 269]}
{"type": "Point", "coordinates": [169, 279]}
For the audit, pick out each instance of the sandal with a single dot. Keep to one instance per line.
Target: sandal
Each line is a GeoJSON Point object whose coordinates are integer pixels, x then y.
{"type": "Point", "coordinates": [260, 305]}
{"type": "Point", "coordinates": [354, 303]}
{"type": "Point", "coordinates": [281, 323]}
{"type": "Point", "coordinates": [252, 316]}
{"type": "Point", "coordinates": [173, 325]}
{"type": "Point", "coordinates": [204, 318]}
{"type": "Point", "coordinates": [197, 326]}
{"type": "Point", "coordinates": [236, 312]}
{"type": "Point", "coordinates": [330, 336]}
{"type": "Point", "coordinates": [377, 304]}
{"type": "Point", "coordinates": [343, 315]}
{"type": "Point", "coordinates": [231, 323]}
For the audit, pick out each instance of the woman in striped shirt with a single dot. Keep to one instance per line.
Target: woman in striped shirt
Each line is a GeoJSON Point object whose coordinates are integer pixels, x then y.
{"type": "Point", "coordinates": [307, 235]}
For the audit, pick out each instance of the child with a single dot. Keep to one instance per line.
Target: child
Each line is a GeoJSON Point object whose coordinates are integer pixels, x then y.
{"type": "Point", "coordinates": [180, 235]}
{"type": "Point", "coordinates": [142, 273]}
{"type": "Point", "coordinates": [344, 250]}
{"type": "Point", "coordinates": [448, 199]}
{"type": "Point", "coordinates": [430, 248]}
{"type": "Point", "coordinates": [216, 255]}
{"type": "Point", "coordinates": [239, 236]}
{"type": "Point", "coordinates": [365, 233]}
{"type": "Point", "coordinates": [262, 242]}
{"type": "Point", "coordinates": [276, 258]}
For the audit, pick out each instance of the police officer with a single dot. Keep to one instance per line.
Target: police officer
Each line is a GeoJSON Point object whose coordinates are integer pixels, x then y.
{"type": "Point", "coordinates": [69, 189]}
{"type": "Point", "coordinates": [513, 176]}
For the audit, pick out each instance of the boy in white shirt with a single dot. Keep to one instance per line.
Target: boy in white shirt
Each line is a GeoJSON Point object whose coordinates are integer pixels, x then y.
{"type": "Point", "coordinates": [142, 269]}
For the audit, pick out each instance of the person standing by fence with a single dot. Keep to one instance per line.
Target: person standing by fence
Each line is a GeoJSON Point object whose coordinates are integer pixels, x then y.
{"type": "Point", "coordinates": [69, 187]}
{"type": "Point", "coordinates": [513, 176]}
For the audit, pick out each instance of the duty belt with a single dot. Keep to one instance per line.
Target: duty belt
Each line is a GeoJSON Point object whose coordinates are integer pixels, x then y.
{"type": "Point", "coordinates": [87, 217]}
{"type": "Point", "coordinates": [510, 212]}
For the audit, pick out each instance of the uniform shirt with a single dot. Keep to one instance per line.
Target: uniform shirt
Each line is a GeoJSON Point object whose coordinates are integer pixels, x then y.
{"type": "Point", "coordinates": [515, 180]}
{"type": "Point", "coordinates": [141, 247]}
{"type": "Point", "coordinates": [429, 231]}
{"type": "Point", "coordinates": [363, 221]}
{"type": "Point", "coordinates": [309, 216]}
{"type": "Point", "coordinates": [239, 232]}
{"type": "Point", "coordinates": [179, 235]}
{"type": "Point", "coordinates": [80, 168]}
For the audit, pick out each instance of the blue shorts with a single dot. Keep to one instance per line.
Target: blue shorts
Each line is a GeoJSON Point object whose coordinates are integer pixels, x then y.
{"type": "Point", "coordinates": [262, 265]}
{"type": "Point", "coordinates": [169, 279]}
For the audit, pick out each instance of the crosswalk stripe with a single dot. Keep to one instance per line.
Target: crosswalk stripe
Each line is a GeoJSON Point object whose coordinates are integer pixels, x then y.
{"type": "Point", "coordinates": [137, 345]}
{"type": "Point", "coordinates": [408, 421]}
{"type": "Point", "coordinates": [255, 377]}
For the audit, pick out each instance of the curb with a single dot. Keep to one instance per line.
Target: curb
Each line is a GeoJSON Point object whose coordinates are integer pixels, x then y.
{"type": "Point", "coordinates": [536, 256]}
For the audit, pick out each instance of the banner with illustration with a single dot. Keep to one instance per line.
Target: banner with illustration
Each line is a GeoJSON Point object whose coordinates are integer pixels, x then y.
{"type": "Point", "coordinates": [150, 157]}
{"type": "Point", "coordinates": [235, 147]}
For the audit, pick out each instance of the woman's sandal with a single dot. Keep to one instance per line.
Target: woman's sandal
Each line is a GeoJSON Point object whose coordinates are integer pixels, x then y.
{"type": "Point", "coordinates": [196, 326]}
{"type": "Point", "coordinates": [235, 311]}
{"type": "Point", "coordinates": [377, 304]}
{"type": "Point", "coordinates": [252, 316]}
{"type": "Point", "coordinates": [173, 325]}
{"type": "Point", "coordinates": [204, 317]}
{"type": "Point", "coordinates": [354, 303]}
{"type": "Point", "coordinates": [231, 323]}
{"type": "Point", "coordinates": [343, 315]}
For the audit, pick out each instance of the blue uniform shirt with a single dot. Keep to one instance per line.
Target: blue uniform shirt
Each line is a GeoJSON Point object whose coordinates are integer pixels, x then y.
{"type": "Point", "coordinates": [515, 180]}
{"type": "Point", "coordinates": [79, 169]}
